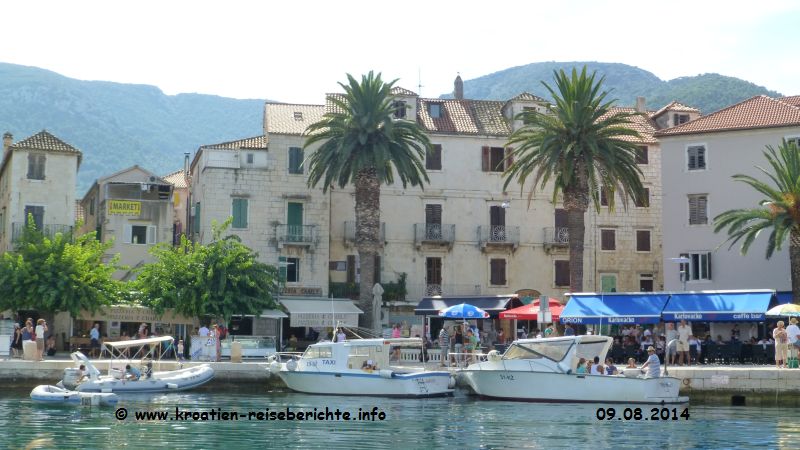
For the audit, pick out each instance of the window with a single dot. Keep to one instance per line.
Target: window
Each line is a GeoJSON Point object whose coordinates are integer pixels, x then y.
{"type": "Point", "coordinates": [296, 160]}
{"type": "Point", "coordinates": [433, 157]}
{"type": "Point", "coordinates": [641, 155]}
{"type": "Point", "coordinates": [608, 282]}
{"type": "Point", "coordinates": [36, 166]}
{"type": "Point", "coordinates": [604, 194]}
{"type": "Point", "coordinates": [698, 209]}
{"type": "Point", "coordinates": [91, 206]}
{"type": "Point", "coordinates": [351, 268]}
{"type": "Point", "coordinates": [562, 273]}
{"type": "Point", "coordinates": [250, 158]}
{"type": "Point", "coordinates": [196, 218]}
{"type": "Point", "coordinates": [37, 212]}
{"type": "Point", "coordinates": [699, 266]}
{"type": "Point", "coordinates": [497, 272]}
{"type": "Point", "coordinates": [696, 157]}
{"type": "Point", "coordinates": [140, 234]}
{"type": "Point", "coordinates": [298, 115]}
{"type": "Point", "coordinates": [495, 159]}
{"type": "Point", "coordinates": [435, 110]}
{"type": "Point", "coordinates": [239, 213]}
{"type": "Point", "coordinates": [528, 111]}
{"type": "Point", "coordinates": [289, 269]}
{"type": "Point", "coordinates": [642, 240]}
{"type": "Point", "coordinates": [399, 109]}
{"type": "Point", "coordinates": [646, 282]}
{"type": "Point", "coordinates": [608, 240]}
{"type": "Point", "coordinates": [644, 202]}
{"type": "Point", "coordinates": [680, 119]}
{"type": "Point", "coordinates": [793, 141]}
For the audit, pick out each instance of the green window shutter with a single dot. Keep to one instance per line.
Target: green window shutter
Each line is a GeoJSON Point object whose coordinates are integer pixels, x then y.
{"type": "Point", "coordinates": [295, 160]}
{"type": "Point", "coordinates": [282, 268]}
{"type": "Point", "coordinates": [239, 213]}
{"type": "Point", "coordinates": [196, 223]}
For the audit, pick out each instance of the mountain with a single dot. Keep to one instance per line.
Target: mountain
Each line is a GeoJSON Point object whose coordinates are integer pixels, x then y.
{"type": "Point", "coordinates": [118, 125]}
{"type": "Point", "coordinates": [707, 92]}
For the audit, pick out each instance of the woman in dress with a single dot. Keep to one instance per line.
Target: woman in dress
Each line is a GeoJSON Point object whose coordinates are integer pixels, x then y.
{"type": "Point", "coordinates": [781, 345]}
{"type": "Point", "coordinates": [41, 329]}
{"type": "Point", "coordinates": [16, 341]}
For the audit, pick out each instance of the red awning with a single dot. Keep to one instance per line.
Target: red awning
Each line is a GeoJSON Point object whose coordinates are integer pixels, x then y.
{"type": "Point", "coordinates": [529, 312]}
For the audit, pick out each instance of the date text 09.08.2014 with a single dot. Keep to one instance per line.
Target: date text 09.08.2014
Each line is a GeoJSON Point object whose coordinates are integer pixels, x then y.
{"type": "Point", "coordinates": [654, 414]}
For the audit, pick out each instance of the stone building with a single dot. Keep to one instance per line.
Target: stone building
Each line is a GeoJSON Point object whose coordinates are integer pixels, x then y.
{"type": "Point", "coordinates": [37, 178]}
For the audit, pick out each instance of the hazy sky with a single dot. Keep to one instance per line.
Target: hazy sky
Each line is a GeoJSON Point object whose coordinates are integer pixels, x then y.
{"type": "Point", "coordinates": [295, 51]}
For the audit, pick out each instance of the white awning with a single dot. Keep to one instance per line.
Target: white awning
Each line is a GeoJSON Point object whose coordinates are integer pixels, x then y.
{"type": "Point", "coordinates": [273, 314]}
{"type": "Point", "coordinates": [321, 312]}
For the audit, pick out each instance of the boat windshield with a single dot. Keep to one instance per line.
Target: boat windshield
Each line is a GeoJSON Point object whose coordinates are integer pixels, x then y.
{"type": "Point", "coordinates": [555, 350]}
{"type": "Point", "coordinates": [591, 349]}
{"type": "Point", "coordinates": [318, 352]}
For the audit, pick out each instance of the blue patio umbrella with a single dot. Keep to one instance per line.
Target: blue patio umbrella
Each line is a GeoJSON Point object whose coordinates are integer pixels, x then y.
{"type": "Point", "coordinates": [464, 311]}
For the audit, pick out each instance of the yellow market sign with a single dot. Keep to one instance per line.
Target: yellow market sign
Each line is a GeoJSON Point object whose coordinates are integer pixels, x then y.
{"type": "Point", "coordinates": [124, 208]}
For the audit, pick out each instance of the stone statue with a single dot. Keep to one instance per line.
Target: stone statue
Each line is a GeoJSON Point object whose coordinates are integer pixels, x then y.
{"type": "Point", "coordinates": [377, 302]}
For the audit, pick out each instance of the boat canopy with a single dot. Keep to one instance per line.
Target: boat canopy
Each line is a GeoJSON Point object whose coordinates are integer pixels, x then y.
{"type": "Point", "coordinates": [493, 304]}
{"type": "Point", "coordinates": [614, 309]}
{"type": "Point", "coordinates": [138, 342]}
{"type": "Point", "coordinates": [719, 306]}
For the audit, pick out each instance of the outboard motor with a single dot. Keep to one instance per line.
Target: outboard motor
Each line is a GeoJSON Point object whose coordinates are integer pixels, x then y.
{"type": "Point", "coordinates": [71, 378]}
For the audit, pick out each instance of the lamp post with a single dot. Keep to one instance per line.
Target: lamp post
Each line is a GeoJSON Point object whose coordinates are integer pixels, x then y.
{"type": "Point", "coordinates": [684, 268]}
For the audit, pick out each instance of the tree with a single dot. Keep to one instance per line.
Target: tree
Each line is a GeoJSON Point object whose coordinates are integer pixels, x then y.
{"type": "Point", "coordinates": [583, 147]}
{"type": "Point", "coordinates": [779, 212]}
{"type": "Point", "coordinates": [362, 144]}
{"type": "Point", "coordinates": [220, 279]}
{"type": "Point", "coordinates": [59, 273]}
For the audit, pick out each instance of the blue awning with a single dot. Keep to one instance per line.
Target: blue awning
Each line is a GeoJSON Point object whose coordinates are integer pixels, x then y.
{"type": "Point", "coordinates": [784, 297]}
{"type": "Point", "coordinates": [718, 306]}
{"type": "Point", "coordinates": [614, 308]}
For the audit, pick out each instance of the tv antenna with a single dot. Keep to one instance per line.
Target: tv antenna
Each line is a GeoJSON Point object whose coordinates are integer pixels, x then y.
{"type": "Point", "coordinates": [419, 81]}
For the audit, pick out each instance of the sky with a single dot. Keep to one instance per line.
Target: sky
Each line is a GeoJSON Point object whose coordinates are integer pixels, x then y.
{"type": "Point", "coordinates": [296, 51]}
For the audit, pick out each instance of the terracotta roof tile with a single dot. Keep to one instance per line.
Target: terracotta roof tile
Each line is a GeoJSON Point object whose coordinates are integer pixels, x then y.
{"type": "Point", "coordinates": [675, 106]}
{"type": "Point", "coordinates": [256, 142]}
{"type": "Point", "coordinates": [45, 141]}
{"type": "Point", "coordinates": [641, 123]}
{"type": "Point", "coordinates": [756, 112]}
{"type": "Point", "coordinates": [793, 100]}
{"type": "Point", "coordinates": [287, 118]}
{"type": "Point", "coordinates": [177, 179]}
{"type": "Point", "coordinates": [397, 90]}
{"type": "Point", "coordinates": [527, 96]}
{"type": "Point", "coordinates": [478, 117]}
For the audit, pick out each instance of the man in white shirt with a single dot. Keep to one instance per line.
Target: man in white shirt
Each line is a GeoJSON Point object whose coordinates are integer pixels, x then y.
{"type": "Point", "coordinates": [203, 331]}
{"type": "Point", "coordinates": [684, 331]}
{"type": "Point", "coordinates": [671, 335]}
{"type": "Point", "coordinates": [652, 364]}
{"type": "Point", "coordinates": [793, 332]}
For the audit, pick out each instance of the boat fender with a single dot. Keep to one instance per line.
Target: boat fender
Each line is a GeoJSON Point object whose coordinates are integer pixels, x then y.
{"type": "Point", "coordinates": [494, 356]}
{"type": "Point", "coordinates": [274, 367]}
{"type": "Point", "coordinates": [291, 365]}
{"type": "Point", "coordinates": [687, 381]}
{"type": "Point", "coordinates": [172, 386]}
{"type": "Point", "coordinates": [385, 373]}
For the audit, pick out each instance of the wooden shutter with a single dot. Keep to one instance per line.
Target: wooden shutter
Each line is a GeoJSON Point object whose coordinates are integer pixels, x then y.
{"type": "Point", "coordinates": [708, 256]}
{"type": "Point", "coordinates": [641, 154]}
{"type": "Point", "coordinates": [562, 273]}
{"type": "Point", "coordinates": [497, 269]}
{"type": "Point", "coordinates": [608, 240]}
{"type": "Point", "coordinates": [509, 157]}
{"type": "Point", "coordinates": [433, 214]}
{"type": "Point", "coordinates": [377, 273]}
{"type": "Point", "coordinates": [282, 268]}
{"type": "Point", "coordinates": [351, 268]}
{"type": "Point", "coordinates": [127, 230]}
{"type": "Point", "coordinates": [239, 213]}
{"type": "Point", "coordinates": [196, 223]}
{"type": "Point", "coordinates": [433, 270]}
{"type": "Point", "coordinates": [433, 158]}
{"type": "Point", "coordinates": [701, 157]}
{"type": "Point", "coordinates": [497, 216]}
{"type": "Point", "coordinates": [561, 218]}
{"type": "Point", "coordinates": [486, 159]}
{"type": "Point", "coordinates": [642, 240]}
{"type": "Point", "coordinates": [152, 238]}
{"type": "Point", "coordinates": [603, 196]}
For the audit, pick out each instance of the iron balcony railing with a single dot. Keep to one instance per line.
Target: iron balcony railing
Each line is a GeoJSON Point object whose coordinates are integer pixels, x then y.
{"type": "Point", "coordinates": [305, 235]}
{"type": "Point", "coordinates": [434, 233]}
{"type": "Point", "coordinates": [350, 232]}
{"type": "Point", "coordinates": [498, 235]}
{"type": "Point", "coordinates": [556, 236]}
{"type": "Point", "coordinates": [49, 230]}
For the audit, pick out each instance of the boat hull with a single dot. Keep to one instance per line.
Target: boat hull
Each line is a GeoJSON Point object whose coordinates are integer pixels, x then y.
{"type": "Point", "coordinates": [572, 388]}
{"type": "Point", "coordinates": [54, 394]}
{"type": "Point", "coordinates": [176, 380]}
{"type": "Point", "coordinates": [420, 384]}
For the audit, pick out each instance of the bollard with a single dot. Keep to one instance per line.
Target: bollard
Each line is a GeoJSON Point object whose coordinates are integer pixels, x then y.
{"type": "Point", "coordinates": [236, 352]}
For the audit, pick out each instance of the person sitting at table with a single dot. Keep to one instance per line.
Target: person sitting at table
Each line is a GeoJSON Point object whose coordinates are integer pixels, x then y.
{"type": "Point", "coordinates": [132, 373]}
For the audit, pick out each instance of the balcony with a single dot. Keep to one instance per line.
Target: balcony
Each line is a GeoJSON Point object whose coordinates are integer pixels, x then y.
{"type": "Point", "coordinates": [434, 234]}
{"type": "Point", "coordinates": [49, 230]}
{"type": "Point", "coordinates": [498, 236]}
{"type": "Point", "coordinates": [350, 233]}
{"type": "Point", "coordinates": [556, 237]}
{"type": "Point", "coordinates": [296, 235]}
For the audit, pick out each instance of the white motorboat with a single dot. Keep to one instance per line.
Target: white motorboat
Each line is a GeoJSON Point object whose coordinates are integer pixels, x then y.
{"type": "Point", "coordinates": [149, 380]}
{"type": "Point", "coordinates": [544, 370]}
{"type": "Point", "coordinates": [55, 394]}
{"type": "Point", "coordinates": [359, 367]}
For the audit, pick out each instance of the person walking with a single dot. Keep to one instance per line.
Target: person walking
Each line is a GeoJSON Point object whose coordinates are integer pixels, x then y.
{"type": "Point", "coordinates": [41, 329]}
{"type": "Point", "coordinates": [444, 346]}
{"type": "Point", "coordinates": [781, 343]}
{"type": "Point", "coordinates": [684, 331]}
{"type": "Point", "coordinates": [459, 344]}
{"type": "Point", "coordinates": [793, 335]}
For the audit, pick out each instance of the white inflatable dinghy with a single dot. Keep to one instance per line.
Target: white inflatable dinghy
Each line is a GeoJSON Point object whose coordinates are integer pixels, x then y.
{"type": "Point", "coordinates": [55, 394]}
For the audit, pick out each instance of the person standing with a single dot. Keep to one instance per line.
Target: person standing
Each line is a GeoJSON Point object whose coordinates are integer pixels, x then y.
{"type": "Point", "coordinates": [671, 336]}
{"type": "Point", "coordinates": [16, 341]}
{"type": "Point", "coordinates": [459, 344]}
{"type": "Point", "coordinates": [41, 329]}
{"type": "Point", "coordinates": [568, 330]}
{"type": "Point", "coordinates": [793, 335]}
{"type": "Point", "coordinates": [203, 331]}
{"type": "Point", "coordinates": [652, 364]}
{"type": "Point", "coordinates": [94, 340]}
{"type": "Point", "coordinates": [684, 331]}
{"type": "Point", "coordinates": [444, 346]}
{"type": "Point", "coordinates": [781, 342]}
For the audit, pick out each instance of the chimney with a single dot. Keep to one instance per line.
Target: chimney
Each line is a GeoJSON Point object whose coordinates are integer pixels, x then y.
{"type": "Point", "coordinates": [458, 92]}
{"type": "Point", "coordinates": [186, 166]}
{"type": "Point", "coordinates": [641, 105]}
{"type": "Point", "coordinates": [8, 138]}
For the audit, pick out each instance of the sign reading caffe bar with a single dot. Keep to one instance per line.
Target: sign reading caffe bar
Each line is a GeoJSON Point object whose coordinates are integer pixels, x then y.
{"type": "Point", "coordinates": [134, 314]}
{"type": "Point", "coordinates": [124, 208]}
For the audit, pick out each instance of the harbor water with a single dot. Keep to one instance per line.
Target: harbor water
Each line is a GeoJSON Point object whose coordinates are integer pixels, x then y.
{"type": "Point", "coordinates": [193, 420]}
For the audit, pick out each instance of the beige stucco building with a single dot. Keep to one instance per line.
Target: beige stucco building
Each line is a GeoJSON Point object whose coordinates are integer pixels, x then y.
{"type": "Point", "coordinates": [37, 178]}
{"type": "Point", "coordinates": [699, 159]}
{"type": "Point", "coordinates": [132, 207]}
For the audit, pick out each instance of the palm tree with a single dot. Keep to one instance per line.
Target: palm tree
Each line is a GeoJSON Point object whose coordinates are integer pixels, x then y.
{"type": "Point", "coordinates": [779, 212]}
{"type": "Point", "coordinates": [583, 146]}
{"type": "Point", "coordinates": [363, 144]}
